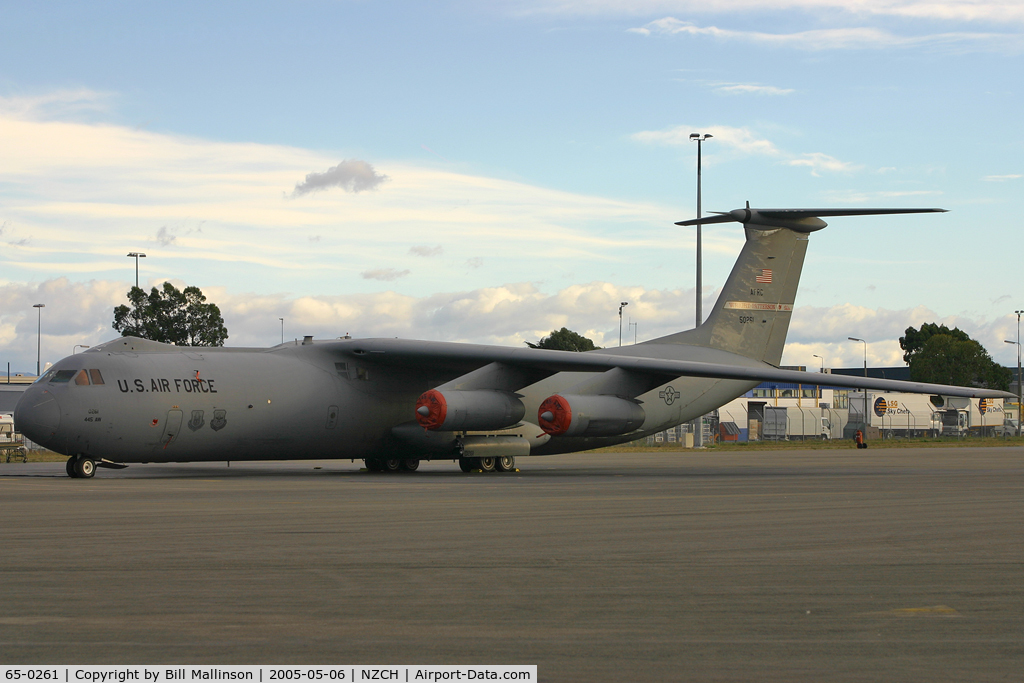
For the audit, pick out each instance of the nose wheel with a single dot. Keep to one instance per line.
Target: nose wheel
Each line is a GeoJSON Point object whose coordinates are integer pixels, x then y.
{"type": "Point", "coordinates": [80, 468]}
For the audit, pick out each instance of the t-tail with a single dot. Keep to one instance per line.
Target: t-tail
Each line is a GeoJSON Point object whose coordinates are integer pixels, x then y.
{"type": "Point", "coordinates": [752, 314]}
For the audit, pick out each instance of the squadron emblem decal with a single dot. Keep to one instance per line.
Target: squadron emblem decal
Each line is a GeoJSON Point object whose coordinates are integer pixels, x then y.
{"type": "Point", "coordinates": [219, 420]}
{"type": "Point", "coordinates": [197, 421]}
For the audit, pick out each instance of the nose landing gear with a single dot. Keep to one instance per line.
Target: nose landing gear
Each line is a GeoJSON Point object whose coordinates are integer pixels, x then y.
{"type": "Point", "coordinates": [80, 467]}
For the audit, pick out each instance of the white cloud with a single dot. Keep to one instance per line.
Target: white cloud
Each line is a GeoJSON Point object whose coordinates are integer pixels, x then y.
{"type": "Point", "coordinates": [1001, 178]}
{"type": "Point", "coordinates": [77, 195]}
{"type": "Point", "coordinates": [747, 141]}
{"type": "Point", "coordinates": [824, 331]}
{"type": "Point", "coordinates": [853, 197]}
{"type": "Point", "coordinates": [993, 11]}
{"type": "Point", "coordinates": [384, 274]}
{"type": "Point", "coordinates": [55, 103]}
{"type": "Point", "coordinates": [844, 38]}
{"type": "Point", "coordinates": [81, 313]}
{"type": "Point", "coordinates": [741, 139]}
{"type": "Point", "coordinates": [426, 250]}
{"type": "Point", "coordinates": [751, 89]}
{"type": "Point", "coordinates": [819, 162]}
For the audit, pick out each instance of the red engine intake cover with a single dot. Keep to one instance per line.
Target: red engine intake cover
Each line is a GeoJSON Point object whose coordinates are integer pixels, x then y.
{"type": "Point", "coordinates": [561, 414]}
{"type": "Point", "coordinates": [437, 407]}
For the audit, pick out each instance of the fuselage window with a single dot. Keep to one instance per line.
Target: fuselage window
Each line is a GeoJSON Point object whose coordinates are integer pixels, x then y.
{"type": "Point", "coordinates": [96, 377]}
{"type": "Point", "coordinates": [82, 379]}
{"type": "Point", "coordinates": [62, 376]}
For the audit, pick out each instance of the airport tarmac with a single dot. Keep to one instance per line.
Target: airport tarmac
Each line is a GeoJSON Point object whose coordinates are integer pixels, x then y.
{"type": "Point", "coordinates": [903, 564]}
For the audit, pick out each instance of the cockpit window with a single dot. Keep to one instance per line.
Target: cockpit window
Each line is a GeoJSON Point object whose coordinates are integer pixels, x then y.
{"type": "Point", "coordinates": [96, 377]}
{"type": "Point", "coordinates": [62, 376]}
{"type": "Point", "coordinates": [82, 379]}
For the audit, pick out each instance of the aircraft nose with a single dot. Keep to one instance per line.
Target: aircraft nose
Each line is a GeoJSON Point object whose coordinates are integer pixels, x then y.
{"type": "Point", "coordinates": [37, 415]}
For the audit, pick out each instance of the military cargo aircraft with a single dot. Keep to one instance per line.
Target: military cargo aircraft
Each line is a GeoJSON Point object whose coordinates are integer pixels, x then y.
{"type": "Point", "coordinates": [396, 402]}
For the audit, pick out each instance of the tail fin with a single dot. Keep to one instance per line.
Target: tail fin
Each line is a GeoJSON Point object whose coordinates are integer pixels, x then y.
{"type": "Point", "coordinates": [753, 312]}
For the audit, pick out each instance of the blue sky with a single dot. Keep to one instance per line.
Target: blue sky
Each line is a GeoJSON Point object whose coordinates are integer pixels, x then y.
{"type": "Point", "coordinates": [488, 172]}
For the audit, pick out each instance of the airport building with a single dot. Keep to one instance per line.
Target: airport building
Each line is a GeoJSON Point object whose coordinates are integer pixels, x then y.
{"type": "Point", "coordinates": [784, 412]}
{"type": "Point", "coordinates": [11, 388]}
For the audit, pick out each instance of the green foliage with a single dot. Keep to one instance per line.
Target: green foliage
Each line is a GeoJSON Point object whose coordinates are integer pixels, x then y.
{"type": "Point", "coordinates": [171, 316]}
{"type": "Point", "coordinates": [564, 340]}
{"type": "Point", "coordinates": [948, 359]}
{"type": "Point", "coordinates": [915, 340]}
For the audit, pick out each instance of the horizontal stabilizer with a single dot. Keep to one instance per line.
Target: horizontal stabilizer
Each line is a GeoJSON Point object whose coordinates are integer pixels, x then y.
{"type": "Point", "coordinates": [801, 220]}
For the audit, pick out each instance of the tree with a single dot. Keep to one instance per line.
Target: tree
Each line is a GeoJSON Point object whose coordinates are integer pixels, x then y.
{"type": "Point", "coordinates": [915, 340]}
{"type": "Point", "coordinates": [948, 359]}
{"type": "Point", "coordinates": [171, 316]}
{"type": "Point", "coordinates": [564, 340]}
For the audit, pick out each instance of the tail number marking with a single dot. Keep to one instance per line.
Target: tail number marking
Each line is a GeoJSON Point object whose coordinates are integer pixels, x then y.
{"type": "Point", "coordinates": [758, 306]}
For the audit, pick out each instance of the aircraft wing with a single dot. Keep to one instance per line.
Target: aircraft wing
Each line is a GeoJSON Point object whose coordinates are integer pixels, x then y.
{"type": "Point", "coordinates": [461, 358]}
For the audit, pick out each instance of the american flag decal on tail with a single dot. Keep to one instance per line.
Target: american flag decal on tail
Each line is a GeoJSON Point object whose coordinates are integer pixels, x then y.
{"type": "Point", "coordinates": [765, 276]}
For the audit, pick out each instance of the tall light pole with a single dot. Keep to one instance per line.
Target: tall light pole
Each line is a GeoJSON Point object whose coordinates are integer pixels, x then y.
{"type": "Point", "coordinates": [1018, 379]}
{"type": "Point", "coordinates": [822, 362]}
{"type": "Point", "coordinates": [1018, 370]}
{"type": "Point", "coordinates": [865, 353]}
{"type": "Point", "coordinates": [699, 138]}
{"type": "Point", "coordinates": [282, 329]}
{"type": "Point", "coordinates": [621, 306]}
{"type": "Point", "coordinates": [865, 390]}
{"type": "Point", "coordinates": [39, 334]}
{"type": "Point", "coordinates": [137, 255]}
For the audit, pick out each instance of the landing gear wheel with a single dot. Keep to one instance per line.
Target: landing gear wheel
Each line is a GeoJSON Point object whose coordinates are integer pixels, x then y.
{"type": "Point", "coordinates": [85, 468]}
{"type": "Point", "coordinates": [506, 463]}
{"type": "Point", "coordinates": [466, 464]}
{"type": "Point", "coordinates": [485, 464]}
{"type": "Point", "coordinates": [69, 467]}
{"type": "Point", "coordinates": [410, 464]}
{"type": "Point", "coordinates": [373, 465]}
{"type": "Point", "coordinates": [392, 464]}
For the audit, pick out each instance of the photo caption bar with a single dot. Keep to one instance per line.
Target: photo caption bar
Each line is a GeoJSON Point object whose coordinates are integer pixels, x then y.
{"type": "Point", "coordinates": [182, 673]}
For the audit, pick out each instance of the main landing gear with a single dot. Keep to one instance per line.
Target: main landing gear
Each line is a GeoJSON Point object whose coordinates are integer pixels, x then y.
{"type": "Point", "coordinates": [392, 464]}
{"type": "Point", "coordinates": [506, 463]}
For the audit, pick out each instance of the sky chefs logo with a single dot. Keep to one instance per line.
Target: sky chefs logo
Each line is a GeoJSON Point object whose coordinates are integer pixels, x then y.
{"type": "Point", "coordinates": [881, 406]}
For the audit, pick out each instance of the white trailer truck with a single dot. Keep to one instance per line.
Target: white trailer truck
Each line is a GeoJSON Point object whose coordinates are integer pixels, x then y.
{"type": "Point", "coordinates": [793, 422]}
{"type": "Point", "coordinates": [901, 415]}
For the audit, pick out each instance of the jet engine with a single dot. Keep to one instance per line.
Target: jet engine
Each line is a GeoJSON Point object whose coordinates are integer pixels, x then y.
{"type": "Point", "coordinates": [468, 410]}
{"type": "Point", "coordinates": [589, 415]}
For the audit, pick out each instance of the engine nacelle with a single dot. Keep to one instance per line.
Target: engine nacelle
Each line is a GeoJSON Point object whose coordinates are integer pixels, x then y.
{"type": "Point", "coordinates": [589, 415]}
{"type": "Point", "coordinates": [468, 410]}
